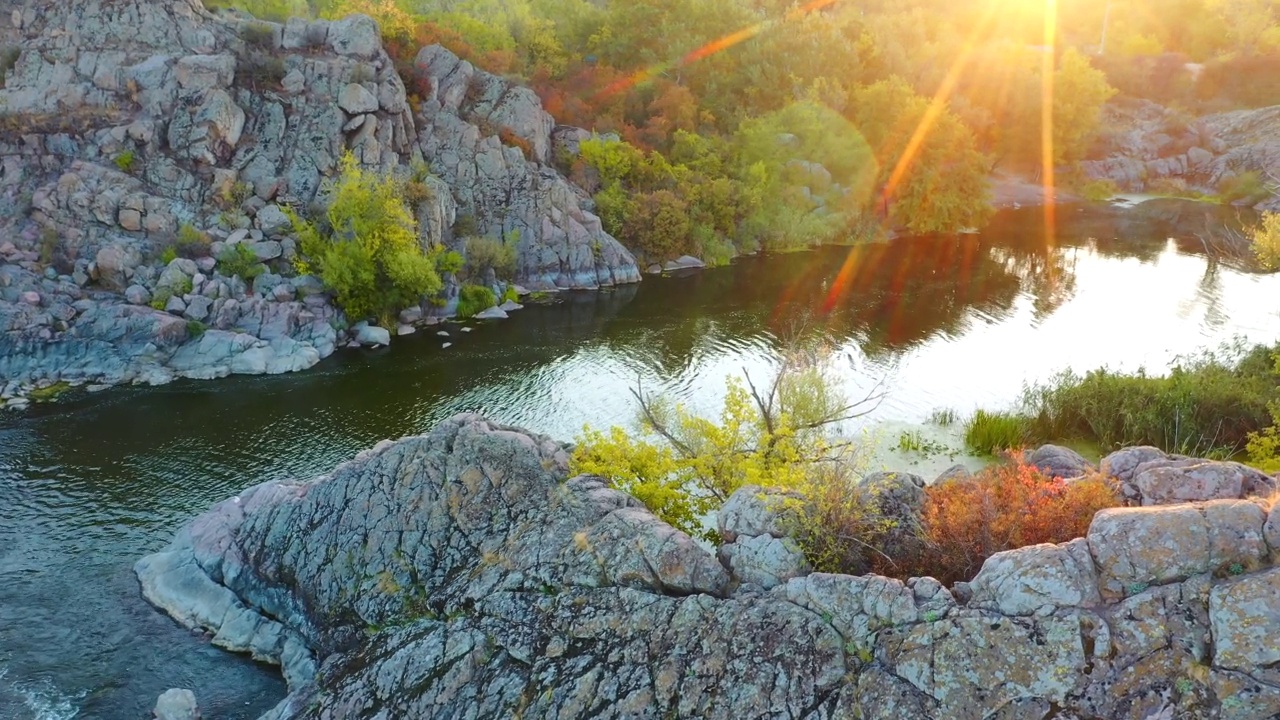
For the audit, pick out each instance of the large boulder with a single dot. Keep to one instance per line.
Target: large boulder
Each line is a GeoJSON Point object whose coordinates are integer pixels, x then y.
{"type": "Point", "coordinates": [1031, 579]}
{"type": "Point", "coordinates": [1138, 547]}
{"type": "Point", "coordinates": [463, 573]}
{"type": "Point", "coordinates": [176, 704]}
{"type": "Point", "coordinates": [1059, 462]}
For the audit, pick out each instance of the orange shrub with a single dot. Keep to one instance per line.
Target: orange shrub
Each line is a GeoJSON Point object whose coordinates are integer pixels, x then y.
{"type": "Point", "coordinates": [1002, 508]}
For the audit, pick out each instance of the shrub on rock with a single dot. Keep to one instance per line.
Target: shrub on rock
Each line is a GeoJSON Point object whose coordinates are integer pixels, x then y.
{"type": "Point", "coordinates": [368, 253]}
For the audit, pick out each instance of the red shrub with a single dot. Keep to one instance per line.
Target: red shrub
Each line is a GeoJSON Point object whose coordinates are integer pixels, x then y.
{"type": "Point", "coordinates": [1002, 508]}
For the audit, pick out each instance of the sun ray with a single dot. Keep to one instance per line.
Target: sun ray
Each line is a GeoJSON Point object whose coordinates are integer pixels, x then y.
{"type": "Point", "coordinates": [1046, 121]}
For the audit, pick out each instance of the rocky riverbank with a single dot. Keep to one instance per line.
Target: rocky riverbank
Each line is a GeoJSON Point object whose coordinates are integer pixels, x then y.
{"type": "Point", "coordinates": [463, 574]}
{"type": "Point", "coordinates": [141, 140]}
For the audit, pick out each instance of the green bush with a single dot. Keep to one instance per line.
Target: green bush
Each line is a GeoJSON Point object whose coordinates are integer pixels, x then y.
{"type": "Point", "coordinates": [49, 241]}
{"type": "Point", "coordinates": [988, 433]}
{"type": "Point", "coordinates": [474, 299]}
{"type": "Point", "coordinates": [484, 253]}
{"type": "Point", "coordinates": [240, 261]}
{"type": "Point", "coordinates": [191, 243]}
{"type": "Point", "coordinates": [125, 161]}
{"type": "Point", "coordinates": [168, 255]}
{"type": "Point", "coordinates": [367, 248]}
{"type": "Point", "coordinates": [8, 59]}
{"type": "Point", "coordinates": [1100, 190]}
{"type": "Point", "coordinates": [1247, 188]}
{"type": "Point", "coordinates": [510, 295]}
{"type": "Point", "coordinates": [195, 329]}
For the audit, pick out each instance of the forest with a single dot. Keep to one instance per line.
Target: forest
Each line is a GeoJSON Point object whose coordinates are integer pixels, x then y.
{"type": "Point", "coordinates": [723, 128]}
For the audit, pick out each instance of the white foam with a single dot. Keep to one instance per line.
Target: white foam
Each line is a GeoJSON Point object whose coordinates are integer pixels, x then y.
{"type": "Point", "coordinates": [44, 700]}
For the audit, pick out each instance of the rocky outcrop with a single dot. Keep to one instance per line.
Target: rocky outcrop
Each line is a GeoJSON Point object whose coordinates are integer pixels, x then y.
{"type": "Point", "coordinates": [1149, 476]}
{"type": "Point", "coordinates": [462, 574]}
{"type": "Point", "coordinates": [491, 142]}
{"type": "Point", "coordinates": [1148, 144]}
{"type": "Point", "coordinates": [130, 127]}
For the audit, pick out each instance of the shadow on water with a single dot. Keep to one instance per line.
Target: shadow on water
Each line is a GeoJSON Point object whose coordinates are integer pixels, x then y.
{"type": "Point", "coordinates": [92, 483]}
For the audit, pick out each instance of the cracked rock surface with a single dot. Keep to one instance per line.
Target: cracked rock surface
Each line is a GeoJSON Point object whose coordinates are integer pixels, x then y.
{"type": "Point", "coordinates": [462, 574]}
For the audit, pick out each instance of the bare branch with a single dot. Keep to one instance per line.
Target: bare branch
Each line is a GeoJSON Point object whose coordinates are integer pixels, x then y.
{"type": "Point", "coordinates": [657, 426]}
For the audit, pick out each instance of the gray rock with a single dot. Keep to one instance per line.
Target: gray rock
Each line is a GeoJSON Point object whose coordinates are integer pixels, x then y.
{"type": "Point", "coordinates": [953, 474]}
{"type": "Point", "coordinates": [765, 561]}
{"type": "Point", "coordinates": [175, 305]}
{"type": "Point", "coordinates": [1137, 547]}
{"type": "Point", "coordinates": [116, 265]}
{"type": "Point", "coordinates": [684, 262]}
{"type": "Point", "coordinates": [137, 295]}
{"type": "Point", "coordinates": [1058, 462]}
{"type": "Point", "coordinates": [510, 306]}
{"type": "Point", "coordinates": [356, 100]}
{"type": "Point", "coordinates": [405, 330]}
{"type": "Point", "coordinates": [266, 250]}
{"type": "Point", "coordinates": [198, 308]}
{"type": "Point", "coordinates": [355, 36]}
{"type": "Point", "coordinates": [271, 220]}
{"type": "Point", "coordinates": [475, 568]}
{"type": "Point", "coordinates": [175, 704]}
{"type": "Point", "coordinates": [753, 511]}
{"type": "Point", "coordinates": [493, 313]}
{"type": "Point", "coordinates": [1036, 578]}
{"type": "Point", "coordinates": [1174, 481]}
{"type": "Point", "coordinates": [372, 335]}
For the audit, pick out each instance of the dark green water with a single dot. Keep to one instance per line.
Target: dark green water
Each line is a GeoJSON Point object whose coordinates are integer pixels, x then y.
{"type": "Point", "coordinates": [91, 484]}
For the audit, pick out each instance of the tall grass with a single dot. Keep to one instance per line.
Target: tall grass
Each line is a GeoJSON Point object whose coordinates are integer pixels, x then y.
{"type": "Point", "coordinates": [988, 433]}
{"type": "Point", "coordinates": [1208, 405]}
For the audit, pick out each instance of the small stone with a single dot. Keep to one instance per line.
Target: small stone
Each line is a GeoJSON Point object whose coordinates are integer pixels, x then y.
{"type": "Point", "coordinates": [271, 220]}
{"type": "Point", "coordinates": [442, 333]}
{"type": "Point", "coordinates": [510, 306]}
{"type": "Point", "coordinates": [465, 329]}
{"type": "Point", "coordinates": [446, 346]}
{"type": "Point", "coordinates": [282, 292]}
{"type": "Point", "coordinates": [238, 236]}
{"type": "Point", "coordinates": [175, 305]}
{"type": "Point", "coordinates": [405, 330]}
{"type": "Point", "coordinates": [31, 297]}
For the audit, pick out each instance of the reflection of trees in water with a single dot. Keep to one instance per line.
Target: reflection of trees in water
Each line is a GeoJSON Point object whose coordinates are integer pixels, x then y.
{"type": "Point", "coordinates": [1048, 275]}
{"type": "Point", "coordinates": [1209, 294]}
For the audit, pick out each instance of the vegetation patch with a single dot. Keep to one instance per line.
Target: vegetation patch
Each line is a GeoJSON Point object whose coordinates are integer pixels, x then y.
{"type": "Point", "coordinates": [989, 433]}
{"type": "Point", "coordinates": [474, 299]}
{"type": "Point", "coordinates": [366, 247]}
{"type": "Point", "coordinates": [50, 393]}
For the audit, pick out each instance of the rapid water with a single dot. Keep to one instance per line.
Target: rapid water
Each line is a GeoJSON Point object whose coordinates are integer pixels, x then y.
{"type": "Point", "coordinates": [90, 484]}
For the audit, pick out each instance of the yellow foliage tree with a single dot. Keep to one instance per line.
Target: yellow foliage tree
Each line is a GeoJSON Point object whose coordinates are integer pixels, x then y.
{"type": "Point", "coordinates": [369, 255]}
{"type": "Point", "coordinates": [1079, 92]}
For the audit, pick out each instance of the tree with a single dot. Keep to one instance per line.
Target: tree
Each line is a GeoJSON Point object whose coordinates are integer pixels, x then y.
{"type": "Point", "coordinates": [1079, 92]}
{"type": "Point", "coordinates": [368, 251]}
{"type": "Point", "coordinates": [942, 186]}
{"type": "Point", "coordinates": [683, 466]}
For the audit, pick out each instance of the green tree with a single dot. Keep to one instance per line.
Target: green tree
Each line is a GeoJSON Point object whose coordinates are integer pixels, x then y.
{"type": "Point", "coordinates": [1079, 92]}
{"type": "Point", "coordinates": [369, 253]}
{"type": "Point", "coordinates": [942, 186]}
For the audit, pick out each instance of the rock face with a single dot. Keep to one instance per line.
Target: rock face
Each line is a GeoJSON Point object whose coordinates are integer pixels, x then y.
{"type": "Point", "coordinates": [1150, 144]}
{"type": "Point", "coordinates": [1149, 476]}
{"type": "Point", "coordinates": [491, 142]}
{"type": "Point", "coordinates": [129, 123]}
{"type": "Point", "coordinates": [461, 574]}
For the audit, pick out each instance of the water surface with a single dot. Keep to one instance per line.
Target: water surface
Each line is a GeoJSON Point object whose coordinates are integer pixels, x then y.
{"type": "Point", "coordinates": [91, 484]}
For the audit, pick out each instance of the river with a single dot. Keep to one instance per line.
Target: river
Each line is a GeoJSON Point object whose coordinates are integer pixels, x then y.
{"type": "Point", "coordinates": [90, 484]}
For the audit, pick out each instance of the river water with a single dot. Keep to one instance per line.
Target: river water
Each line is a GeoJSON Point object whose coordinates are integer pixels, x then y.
{"type": "Point", "coordinates": [90, 484]}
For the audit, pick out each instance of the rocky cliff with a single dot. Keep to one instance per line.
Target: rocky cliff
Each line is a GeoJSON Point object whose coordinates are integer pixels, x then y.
{"type": "Point", "coordinates": [462, 574]}
{"type": "Point", "coordinates": [129, 126]}
{"type": "Point", "coordinates": [1146, 145]}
